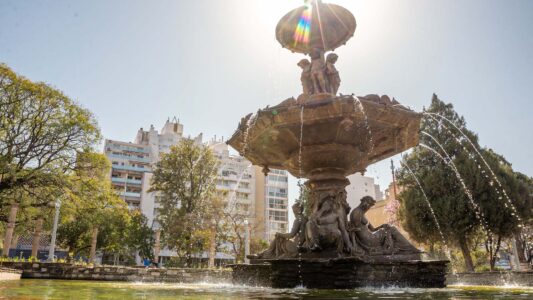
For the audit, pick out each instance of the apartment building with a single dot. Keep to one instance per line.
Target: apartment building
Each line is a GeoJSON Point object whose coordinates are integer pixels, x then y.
{"type": "Point", "coordinates": [361, 186]}
{"type": "Point", "coordinates": [132, 163]}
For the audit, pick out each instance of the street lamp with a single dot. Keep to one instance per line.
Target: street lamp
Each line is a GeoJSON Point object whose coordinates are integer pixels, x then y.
{"type": "Point", "coordinates": [52, 247]}
{"type": "Point", "coordinates": [157, 241]}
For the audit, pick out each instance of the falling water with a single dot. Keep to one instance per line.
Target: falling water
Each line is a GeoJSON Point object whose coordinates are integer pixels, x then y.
{"type": "Point", "coordinates": [233, 199]}
{"type": "Point", "coordinates": [251, 121]}
{"type": "Point", "coordinates": [447, 160]}
{"type": "Point", "coordinates": [301, 142]}
{"type": "Point", "coordinates": [357, 105]}
{"type": "Point", "coordinates": [299, 183]}
{"type": "Point", "coordinates": [446, 249]}
{"type": "Point", "coordinates": [494, 177]}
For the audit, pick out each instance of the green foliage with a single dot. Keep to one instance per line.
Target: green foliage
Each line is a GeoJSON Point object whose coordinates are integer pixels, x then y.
{"type": "Point", "coordinates": [92, 203]}
{"type": "Point", "coordinates": [258, 245]}
{"type": "Point", "coordinates": [185, 180]}
{"type": "Point", "coordinates": [41, 132]}
{"type": "Point", "coordinates": [303, 197]}
{"type": "Point", "coordinates": [459, 219]}
{"type": "Point", "coordinates": [444, 191]}
{"type": "Point", "coordinates": [140, 236]}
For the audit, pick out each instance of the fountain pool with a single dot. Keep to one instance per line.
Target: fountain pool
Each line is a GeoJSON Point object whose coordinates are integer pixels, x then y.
{"type": "Point", "coordinates": [71, 289]}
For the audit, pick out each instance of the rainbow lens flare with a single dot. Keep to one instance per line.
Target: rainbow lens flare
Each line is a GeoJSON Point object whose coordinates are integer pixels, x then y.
{"type": "Point", "coordinates": [301, 35]}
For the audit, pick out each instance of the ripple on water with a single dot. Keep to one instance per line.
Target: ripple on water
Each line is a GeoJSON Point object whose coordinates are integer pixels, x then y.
{"type": "Point", "coordinates": [62, 289]}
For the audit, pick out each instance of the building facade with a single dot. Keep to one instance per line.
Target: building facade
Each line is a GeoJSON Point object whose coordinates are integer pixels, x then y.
{"type": "Point", "coordinates": [132, 163]}
{"type": "Point", "coordinates": [261, 200]}
{"type": "Point", "coordinates": [361, 186]}
{"type": "Point", "coordinates": [271, 206]}
{"type": "Point", "coordinates": [236, 181]}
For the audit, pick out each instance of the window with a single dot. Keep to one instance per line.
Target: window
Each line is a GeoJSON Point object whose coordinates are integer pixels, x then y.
{"type": "Point", "coordinates": [277, 203]}
{"type": "Point", "coordinates": [275, 215]}
{"type": "Point", "coordinates": [276, 178]}
{"type": "Point", "coordinates": [277, 192]}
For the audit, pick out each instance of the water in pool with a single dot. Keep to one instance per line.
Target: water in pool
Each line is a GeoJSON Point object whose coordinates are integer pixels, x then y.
{"type": "Point", "coordinates": [62, 289]}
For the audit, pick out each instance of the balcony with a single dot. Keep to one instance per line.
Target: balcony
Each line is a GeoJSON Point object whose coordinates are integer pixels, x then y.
{"type": "Point", "coordinates": [131, 168]}
{"type": "Point", "coordinates": [125, 180]}
{"type": "Point", "coordinates": [130, 194]}
{"type": "Point", "coordinates": [128, 148]}
{"type": "Point", "coordinates": [132, 158]}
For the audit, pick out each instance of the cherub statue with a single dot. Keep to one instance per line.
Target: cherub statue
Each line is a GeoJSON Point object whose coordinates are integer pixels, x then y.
{"type": "Point", "coordinates": [307, 83]}
{"type": "Point", "coordinates": [332, 73]}
{"type": "Point", "coordinates": [318, 71]}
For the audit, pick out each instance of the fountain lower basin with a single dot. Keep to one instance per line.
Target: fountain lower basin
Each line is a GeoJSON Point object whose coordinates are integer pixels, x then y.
{"type": "Point", "coordinates": [342, 273]}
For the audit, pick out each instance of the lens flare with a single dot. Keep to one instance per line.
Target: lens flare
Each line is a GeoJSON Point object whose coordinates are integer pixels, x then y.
{"type": "Point", "coordinates": [301, 35]}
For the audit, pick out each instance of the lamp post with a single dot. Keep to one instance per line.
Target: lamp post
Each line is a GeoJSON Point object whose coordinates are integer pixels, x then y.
{"type": "Point", "coordinates": [157, 242]}
{"type": "Point", "coordinates": [51, 250]}
{"type": "Point", "coordinates": [246, 241]}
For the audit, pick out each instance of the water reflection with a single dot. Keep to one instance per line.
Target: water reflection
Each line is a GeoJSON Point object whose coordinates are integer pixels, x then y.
{"type": "Point", "coordinates": [61, 289]}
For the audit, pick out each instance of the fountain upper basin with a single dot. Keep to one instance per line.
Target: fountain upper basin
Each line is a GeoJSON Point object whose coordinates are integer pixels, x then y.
{"type": "Point", "coordinates": [338, 138]}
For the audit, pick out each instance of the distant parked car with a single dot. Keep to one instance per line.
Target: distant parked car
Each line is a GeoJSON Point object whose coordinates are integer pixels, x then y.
{"type": "Point", "coordinates": [503, 264]}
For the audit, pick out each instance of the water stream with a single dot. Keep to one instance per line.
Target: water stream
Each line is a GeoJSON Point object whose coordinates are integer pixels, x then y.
{"type": "Point", "coordinates": [301, 142]}
{"type": "Point", "coordinates": [446, 248]}
{"type": "Point", "coordinates": [358, 106]}
{"type": "Point", "coordinates": [249, 124]}
{"type": "Point", "coordinates": [501, 190]}
{"type": "Point", "coordinates": [448, 161]}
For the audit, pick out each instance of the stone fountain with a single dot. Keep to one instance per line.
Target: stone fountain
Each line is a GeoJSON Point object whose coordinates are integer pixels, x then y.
{"type": "Point", "coordinates": [324, 137]}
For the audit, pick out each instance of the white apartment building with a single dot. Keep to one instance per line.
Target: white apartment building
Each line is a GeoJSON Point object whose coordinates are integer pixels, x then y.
{"type": "Point", "coordinates": [236, 179]}
{"type": "Point", "coordinates": [131, 164]}
{"type": "Point", "coordinates": [262, 200]}
{"type": "Point", "coordinates": [361, 186]}
{"type": "Point", "coordinates": [272, 201]}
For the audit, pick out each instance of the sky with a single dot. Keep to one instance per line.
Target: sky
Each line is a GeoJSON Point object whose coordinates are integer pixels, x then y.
{"type": "Point", "coordinates": [210, 62]}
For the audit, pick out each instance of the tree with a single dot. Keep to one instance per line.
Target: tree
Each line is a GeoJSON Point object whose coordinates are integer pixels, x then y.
{"type": "Point", "coordinates": [185, 180]}
{"type": "Point", "coordinates": [92, 213]}
{"type": "Point", "coordinates": [41, 131]}
{"type": "Point", "coordinates": [140, 237]}
{"type": "Point", "coordinates": [460, 188]}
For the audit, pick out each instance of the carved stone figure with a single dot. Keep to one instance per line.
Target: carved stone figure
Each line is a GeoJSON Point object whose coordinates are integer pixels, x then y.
{"type": "Point", "coordinates": [318, 71]}
{"type": "Point", "coordinates": [307, 83]}
{"type": "Point", "coordinates": [333, 75]}
{"type": "Point", "coordinates": [326, 228]}
{"type": "Point", "coordinates": [282, 246]}
{"type": "Point", "coordinates": [384, 239]}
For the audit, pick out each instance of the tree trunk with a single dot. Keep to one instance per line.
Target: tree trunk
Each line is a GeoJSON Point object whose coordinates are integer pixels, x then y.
{"type": "Point", "coordinates": [157, 246]}
{"type": "Point", "coordinates": [212, 248]}
{"type": "Point", "coordinates": [520, 248]}
{"type": "Point", "coordinates": [492, 250]}
{"type": "Point", "coordinates": [469, 264]}
{"type": "Point", "coordinates": [15, 241]}
{"type": "Point", "coordinates": [10, 228]}
{"type": "Point", "coordinates": [35, 243]}
{"type": "Point", "coordinates": [92, 254]}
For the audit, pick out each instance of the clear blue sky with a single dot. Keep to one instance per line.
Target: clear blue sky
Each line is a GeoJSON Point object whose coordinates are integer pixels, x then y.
{"type": "Point", "coordinates": [210, 62]}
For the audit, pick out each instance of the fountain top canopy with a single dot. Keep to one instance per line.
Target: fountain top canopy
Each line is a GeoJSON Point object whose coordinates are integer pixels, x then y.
{"type": "Point", "coordinates": [316, 25]}
{"type": "Point", "coordinates": [321, 135]}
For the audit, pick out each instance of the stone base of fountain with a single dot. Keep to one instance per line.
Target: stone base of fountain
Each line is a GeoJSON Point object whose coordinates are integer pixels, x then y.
{"type": "Point", "coordinates": [342, 273]}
